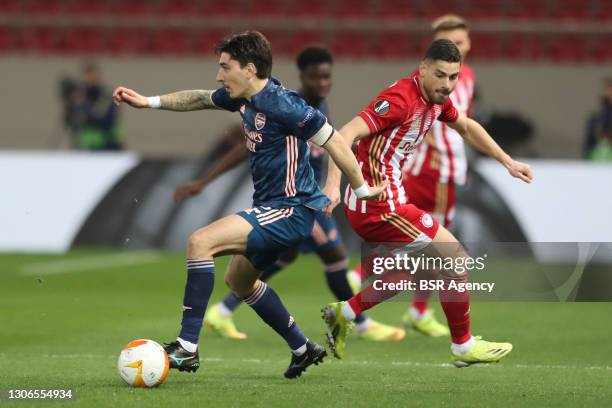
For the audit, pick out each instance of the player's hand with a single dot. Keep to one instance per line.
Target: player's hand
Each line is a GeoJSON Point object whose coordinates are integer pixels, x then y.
{"type": "Point", "coordinates": [333, 193]}
{"type": "Point", "coordinates": [520, 170]}
{"type": "Point", "coordinates": [188, 190]}
{"type": "Point", "coordinates": [376, 190]}
{"type": "Point", "coordinates": [129, 96]}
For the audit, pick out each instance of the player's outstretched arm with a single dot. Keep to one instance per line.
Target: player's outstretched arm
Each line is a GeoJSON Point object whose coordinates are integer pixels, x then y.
{"type": "Point", "coordinates": [477, 136]}
{"type": "Point", "coordinates": [181, 101]}
{"type": "Point", "coordinates": [231, 159]}
{"type": "Point", "coordinates": [352, 131]}
{"type": "Point", "coordinates": [344, 161]}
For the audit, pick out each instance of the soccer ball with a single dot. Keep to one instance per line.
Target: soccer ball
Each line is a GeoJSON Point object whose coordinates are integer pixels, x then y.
{"type": "Point", "coordinates": [143, 363]}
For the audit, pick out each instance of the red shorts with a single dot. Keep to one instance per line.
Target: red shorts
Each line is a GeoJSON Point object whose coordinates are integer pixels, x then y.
{"type": "Point", "coordinates": [430, 195]}
{"type": "Point", "coordinates": [406, 224]}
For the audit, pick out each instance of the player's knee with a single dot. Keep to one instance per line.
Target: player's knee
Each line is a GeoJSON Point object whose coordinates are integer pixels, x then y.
{"type": "Point", "coordinates": [232, 283]}
{"type": "Point", "coordinates": [334, 258]}
{"type": "Point", "coordinates": [458, 270]}
{"type": "Point", "coordinates": [240, 287]}
{"type": "Point", "coordinates": [200, 244]}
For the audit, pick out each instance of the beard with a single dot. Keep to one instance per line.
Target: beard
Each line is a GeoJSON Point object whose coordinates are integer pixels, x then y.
{"type": "Point", "coordinates": [438, 98]}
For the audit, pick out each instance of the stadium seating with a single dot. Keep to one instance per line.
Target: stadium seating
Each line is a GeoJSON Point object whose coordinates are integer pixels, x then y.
{"type": "Point", "coordinates": [83, 40]}
{"type": "Point", "coordinates": [88, 8]}
{"type": "Point", "coordinates": [43, 7]}
{"type": "Point", "coordinates": [85, 26]}
{"type": "Point", "coordinates": [6, 40]}
{"type": "Point", "coordinates": [352, 44]}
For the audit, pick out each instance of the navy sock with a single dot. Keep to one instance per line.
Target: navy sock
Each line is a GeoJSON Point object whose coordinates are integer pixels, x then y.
{"type": "Point", "coordinates": [200, 283]}
{"type": "Point", "coordinates": [335, 273]}
{"type": "Point", "coordinates": [269, 307]}
{"type": "Point", "coordinates": [231, 301]}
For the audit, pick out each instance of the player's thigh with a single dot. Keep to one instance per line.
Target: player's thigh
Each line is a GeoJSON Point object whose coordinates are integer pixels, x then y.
{"type": "Point", "coordinates": [241, 275]}
{"type": "Point", "coordinates": [289, 256]}
{"type": "Point", "coordinates": [445, 245]}
{"type": "Point", "coordinates": [228, 235]}
{"type": "Point", "coordinates": [274, 232]}
{"type": "Point", "coordinates": [325, 239]}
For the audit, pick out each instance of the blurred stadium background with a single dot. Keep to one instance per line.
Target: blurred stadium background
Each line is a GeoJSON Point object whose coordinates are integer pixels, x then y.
{"type": "Point", "coordinates": [540, 66]}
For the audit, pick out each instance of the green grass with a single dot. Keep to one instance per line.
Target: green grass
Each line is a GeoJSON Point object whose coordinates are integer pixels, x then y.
{"type": "Point", "coordinates": [66, 330]}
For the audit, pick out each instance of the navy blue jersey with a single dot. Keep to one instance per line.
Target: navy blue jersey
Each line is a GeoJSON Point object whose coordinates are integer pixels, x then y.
{"type": "Point", "coordinates": [277, 125]}
{"type": "Point", "coordinates": [317, 153]}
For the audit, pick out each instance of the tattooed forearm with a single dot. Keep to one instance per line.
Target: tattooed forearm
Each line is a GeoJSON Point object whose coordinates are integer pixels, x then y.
{"type": "Point", "coordinates": [188, 100]}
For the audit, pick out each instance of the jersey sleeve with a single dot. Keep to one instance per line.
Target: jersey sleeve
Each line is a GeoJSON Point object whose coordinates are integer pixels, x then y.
{"type": "Point", "coordinates": [449, 112]}
{"type": "Point", "coordinates": [222, 99]}
{"type": "Point", "coordinates": [304, 121]}
{"type": "Point", "coordinates": [387, 111]}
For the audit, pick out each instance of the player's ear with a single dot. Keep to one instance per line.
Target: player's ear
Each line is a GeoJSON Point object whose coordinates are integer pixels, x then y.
{"type": "Point", "coordinates": [422, 67]}
{"type": "Point", "coordinates": [251, 70]}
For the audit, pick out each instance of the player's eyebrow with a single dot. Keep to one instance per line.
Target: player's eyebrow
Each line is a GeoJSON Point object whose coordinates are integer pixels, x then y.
{"type": "Point", "coordinates": [224, 64]}
{"type": "Point", "coordinates": [439, 71]}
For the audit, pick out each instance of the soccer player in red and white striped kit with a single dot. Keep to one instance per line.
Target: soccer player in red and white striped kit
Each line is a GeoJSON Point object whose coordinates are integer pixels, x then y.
{"type": "Point", "coordinates": [389, 129]}
{"type": "Point", "coordinates": [437, 166]}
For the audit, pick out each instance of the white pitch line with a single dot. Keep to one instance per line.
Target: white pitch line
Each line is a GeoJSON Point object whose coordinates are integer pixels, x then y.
{"type": "Point", "coordinates": [89, 263]}
{"type": "Point", "coordinates": [362, 362]}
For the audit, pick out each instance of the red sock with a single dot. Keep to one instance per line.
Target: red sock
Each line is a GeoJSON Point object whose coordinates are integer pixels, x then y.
{"type": "Point", "coordinates": [420, 306]}
{"type": "Point", "coordinates": [456, 307]}
{"type": "Point", "coordinates": [370, 297]}
{"type": "Point", "coordinates": [358, 270]}
{"type": "Point", "coordinates": [458, 317]}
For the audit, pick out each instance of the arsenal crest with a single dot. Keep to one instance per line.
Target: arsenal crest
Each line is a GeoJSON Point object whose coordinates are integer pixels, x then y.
{"type": "Point", "coordinates": [260, 121]}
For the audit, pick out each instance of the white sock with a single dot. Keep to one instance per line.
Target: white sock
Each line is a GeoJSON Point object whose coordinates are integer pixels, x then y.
{"type": "Point", "coordinates": [461, 349]}
{"type": "Point", "coordinates": [415, 314]}
{"type": "Point", "coordinates": [223, 310]}
{"type": "Point", "coordinates": [363, 326]}
{"type": "Point", "coordinates": [348, 313]}
{"type": "Point", "coordinates": [190, 347]}
{"type": "Point", "coordinates": [300, 350]}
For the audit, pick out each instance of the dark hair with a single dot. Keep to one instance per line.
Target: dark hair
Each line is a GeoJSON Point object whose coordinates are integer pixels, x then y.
{"type": "Point", "coordinates": [443, 50]}
{"type": "Point", "coordinates": [313, 56]}
{"type": "Point", "coordinates": [249, 46]}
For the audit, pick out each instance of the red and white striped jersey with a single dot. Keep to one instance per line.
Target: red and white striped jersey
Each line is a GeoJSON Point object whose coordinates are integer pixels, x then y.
{"type": "Point", "coordinates": [398, 120]}
{"type": "Point", "coordinates": [442, 155]}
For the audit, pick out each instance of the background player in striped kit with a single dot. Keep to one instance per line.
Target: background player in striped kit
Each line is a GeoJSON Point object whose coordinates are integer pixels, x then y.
{"type": "Point", "coordinates": [315, 69]}
{"type": "Point", "coordinates": [278, 124]}
{"type": "Point", "coordinates": [437, 166]}
{"type": "Point", "coordinates": [390, 128]}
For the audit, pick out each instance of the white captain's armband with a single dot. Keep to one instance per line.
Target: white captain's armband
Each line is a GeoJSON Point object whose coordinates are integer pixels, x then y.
{"type": "Point", "coordinates": [323, 135]}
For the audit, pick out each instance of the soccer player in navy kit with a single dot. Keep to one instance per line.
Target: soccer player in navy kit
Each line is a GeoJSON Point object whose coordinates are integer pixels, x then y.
{"type": "Point", "coordinates": [315, 68]}
{"type": "Point", "coordinates": [277, 124]}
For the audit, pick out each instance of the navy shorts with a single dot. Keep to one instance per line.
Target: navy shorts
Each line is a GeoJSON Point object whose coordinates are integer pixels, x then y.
{"type": "Point", "coordinates": [274, 231]}
{"type": "Point", "coordinates": [324, 234]}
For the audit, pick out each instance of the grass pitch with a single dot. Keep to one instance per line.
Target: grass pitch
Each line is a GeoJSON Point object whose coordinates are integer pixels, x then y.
{"type": "Point", "coordinates": [64, 319]}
